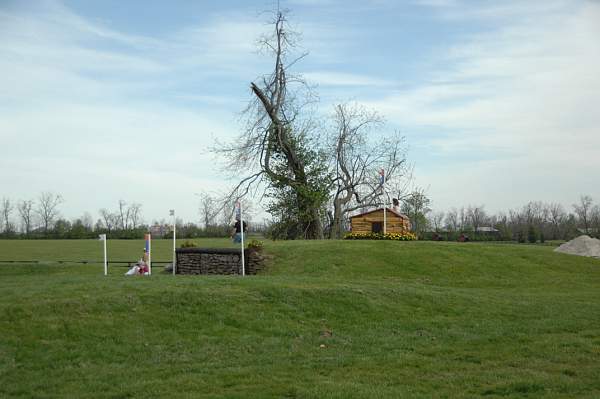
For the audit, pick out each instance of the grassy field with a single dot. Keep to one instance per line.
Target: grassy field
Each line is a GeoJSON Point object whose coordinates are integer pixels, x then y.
{"type": "Point", "coordinates": [324, 320]}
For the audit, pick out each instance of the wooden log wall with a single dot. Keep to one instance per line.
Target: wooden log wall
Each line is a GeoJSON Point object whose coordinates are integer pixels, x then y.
{"type": "Point", "coordinates": [395, 224]}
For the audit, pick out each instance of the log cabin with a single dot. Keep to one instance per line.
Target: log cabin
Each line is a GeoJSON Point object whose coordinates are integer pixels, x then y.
{"type": "Point", "coordinates": [372, 222]}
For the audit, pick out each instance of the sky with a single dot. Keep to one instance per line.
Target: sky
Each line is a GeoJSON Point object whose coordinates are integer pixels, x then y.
{"type": "Point", "coordinates": [110, 100]}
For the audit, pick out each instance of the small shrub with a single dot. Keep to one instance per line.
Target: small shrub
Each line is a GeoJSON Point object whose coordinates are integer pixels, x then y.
{"type": "Point", "coordinates": [256, 245]}
{"type": "Point", "coordinates": [403, 236]}
{"type": "Point", "coordinates": [188, 244]}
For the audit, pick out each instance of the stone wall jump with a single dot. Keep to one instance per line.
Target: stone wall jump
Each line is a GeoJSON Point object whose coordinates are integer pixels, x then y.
{"type": "Point", "coordinates": [221, 261]}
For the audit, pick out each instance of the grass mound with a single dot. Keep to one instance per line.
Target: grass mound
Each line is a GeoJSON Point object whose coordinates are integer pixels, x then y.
{"type": "Point", "coordinates": [336, 319]}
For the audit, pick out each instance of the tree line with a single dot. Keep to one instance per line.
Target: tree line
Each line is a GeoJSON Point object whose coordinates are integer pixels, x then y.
{"type": "Point", "coordinates": [536, 221]}
{"type": "Point", "coordinates": [40, 218]}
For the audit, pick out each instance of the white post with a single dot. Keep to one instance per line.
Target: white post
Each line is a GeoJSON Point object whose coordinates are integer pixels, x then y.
{"type": "Point", "coordinates": [174, 241]}
{"type": "Point", "coordinates": [103, 238]}
{"type": "Point", "coordinates": [149, 254]}
{"type": "Point", "coordinates": [384, 206]}
{"type": "Point", "coordinates": [242, 232]}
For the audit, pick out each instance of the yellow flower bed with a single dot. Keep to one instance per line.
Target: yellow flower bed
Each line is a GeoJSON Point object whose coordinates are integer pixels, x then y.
{"type": "Point", "coordinates": [403, 236]}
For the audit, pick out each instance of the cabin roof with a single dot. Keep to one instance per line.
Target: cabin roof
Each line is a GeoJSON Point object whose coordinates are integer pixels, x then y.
{"type": "Point", "coordinates": [401, 215]}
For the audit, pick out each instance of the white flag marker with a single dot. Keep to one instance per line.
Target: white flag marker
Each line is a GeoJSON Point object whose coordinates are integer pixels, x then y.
{"type": "Point", "coordinates": [102, 237]}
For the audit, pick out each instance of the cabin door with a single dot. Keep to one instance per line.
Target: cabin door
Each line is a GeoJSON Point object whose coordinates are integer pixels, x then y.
{"type": "Point", "coordinates": [376, 227]}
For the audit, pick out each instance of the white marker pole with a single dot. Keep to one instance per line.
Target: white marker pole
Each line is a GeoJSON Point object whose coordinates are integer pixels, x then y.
{"type": "Point", "coordinates": [242, 232]}
{"type": "Point", "coordinates": [149, 254]}
{"type": "Point", "coordinates": [174, 240]}
{"type": "Point", "coordinates": [103, 238]}
{"type": "Point", "coordinates": [384, 206]}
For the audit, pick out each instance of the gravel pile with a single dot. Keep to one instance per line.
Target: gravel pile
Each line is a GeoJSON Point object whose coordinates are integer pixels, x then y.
{"type": "Point", "coordinates": [582, 246]}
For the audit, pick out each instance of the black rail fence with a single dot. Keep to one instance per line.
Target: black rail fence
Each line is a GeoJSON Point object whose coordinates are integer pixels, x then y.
{"type": "Point", "coordinates": [122, 263]}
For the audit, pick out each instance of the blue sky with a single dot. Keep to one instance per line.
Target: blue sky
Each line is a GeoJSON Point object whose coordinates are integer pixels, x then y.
{"type": "Point", "coordinates": [110, 100]}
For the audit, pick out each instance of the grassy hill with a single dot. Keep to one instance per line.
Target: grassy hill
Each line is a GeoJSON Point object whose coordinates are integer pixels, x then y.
{"type": "Point", "coordinates": [325, 319]}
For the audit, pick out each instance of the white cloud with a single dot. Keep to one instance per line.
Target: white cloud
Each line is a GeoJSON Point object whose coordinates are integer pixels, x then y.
{"type": "Point", "coordinates": [344, 79]}
{"type": "Point", "coordinates": [526, 97]}
{"type": "Point", "coordinates": [84, 106]}
{"type": "Point", "coordinates": [85, 111]}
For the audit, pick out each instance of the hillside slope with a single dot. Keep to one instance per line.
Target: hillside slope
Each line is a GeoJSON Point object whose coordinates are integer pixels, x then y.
{"type": "Point", "coordinates": [325, 319]}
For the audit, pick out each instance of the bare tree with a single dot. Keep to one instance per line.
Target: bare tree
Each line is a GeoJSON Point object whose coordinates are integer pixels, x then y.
{"type": "Point", "coordinates": [123, 215]}
{"type": "Point", "coordinates": [208, 209]}
{"type": "Point", "coordinates": [25, 209]}
{"type": "Point", "coordinates": [583, 211]}
{"type": "Point", "coordinates": [47, 208]}
{"type": "Point", "coordinates": [134, 213]}
{"type": "Point", "coordinates": [6, 208]}
{"type": "Point", "coordinates": [557, 217]}
{"type": "Point", "coordinates": [356, 161]}
{"type": "Point", "coordinates": [109, 219]}
{"type": "Point", "coordinates": [437, 219]}
{"type": "Point", "coordinates": [463, 218]}
{"type": "Point", "coordinates": [476, 215]}
{"type": "Point", "coordinates": [595, 219]}
{"type": "Point", "coordinates": [452, 220]}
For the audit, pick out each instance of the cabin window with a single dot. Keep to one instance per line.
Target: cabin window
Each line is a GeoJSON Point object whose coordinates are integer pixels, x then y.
{"type": "Point", "coordinates": [376, 227]}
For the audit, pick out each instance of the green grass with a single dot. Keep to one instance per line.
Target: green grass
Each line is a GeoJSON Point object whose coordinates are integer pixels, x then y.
{"type": "Point", "coordinates": [397, 319]}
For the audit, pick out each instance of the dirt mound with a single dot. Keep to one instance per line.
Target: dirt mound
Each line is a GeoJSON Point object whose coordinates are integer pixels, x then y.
{"type": "Point", "coordinates": [582, 246]}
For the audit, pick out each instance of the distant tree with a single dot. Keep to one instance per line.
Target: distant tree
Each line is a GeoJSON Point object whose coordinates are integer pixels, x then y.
{"type": "Point", "coordinates": [451, 221]}
{"type": "Point", "coordinates": [99, 226]}
{"type": "Point", "coordinates": [463, 219]}
{"type": "Point", "coordinates": [47, 209]}
{"type": "Point", "coordinates": [87, 221]}
{"type": "Point", "coordinates": [503, 226]}
{"type": "Point", "coordinates": [208, 209]}
{"type": "Point", "coordinates": [595, 220]}
{"type": "Point", "coordinates": [123, 215]}
{"type": "Point", "coordinates": [110, 220]}
{"type": "Point", "coordinates": [583, 209]}
{"type": "Point", "coordinates": [476, 215]}
{"type": "Point", "coordinates": [556, 217]}
{"type": "Point", "coordinates": [532, 234]}
{"type": "Point", "coordinates": [134, 212]}
{"type": "Point", "coordinates": [416, 207]}
{"type": "Point", "coordinates": [61, 228]}
{"type": "Point", "coordinates": [78, 229]}
{"type": "Point", "coordinates": [6, 208]}
{"type": "Point", "coordinates": [436, 221]}
{"type": "Point", "coordinates": [25, 209]}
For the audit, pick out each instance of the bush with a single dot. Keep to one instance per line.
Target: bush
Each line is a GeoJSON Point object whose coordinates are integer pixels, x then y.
{"type": "Point", "coordinates": [403, 236]}
{"type": "Point", "coordinates": [256, 245]}
{"type": "Point", "coordinates": [188, 244]}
